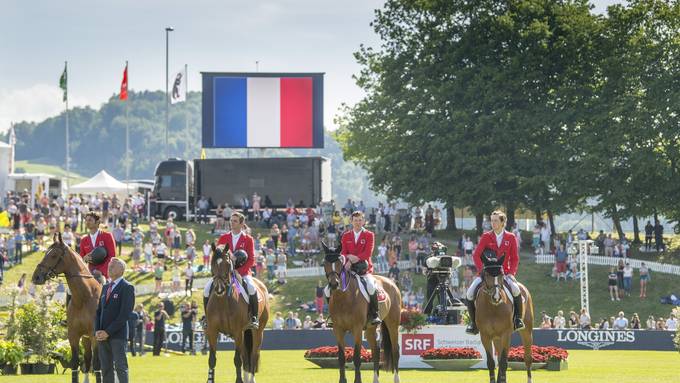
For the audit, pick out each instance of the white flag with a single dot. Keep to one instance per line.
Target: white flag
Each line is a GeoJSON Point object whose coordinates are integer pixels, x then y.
{"type": "Point", "coordinates": [178, 87]}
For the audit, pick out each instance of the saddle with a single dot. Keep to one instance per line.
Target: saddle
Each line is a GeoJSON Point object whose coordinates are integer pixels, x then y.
{"type": "Point", "coordinates": [383, 299]}
{"type": "Point", "coordinates": [506, 287]}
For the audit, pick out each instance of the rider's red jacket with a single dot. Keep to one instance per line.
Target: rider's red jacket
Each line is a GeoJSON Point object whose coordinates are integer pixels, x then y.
{"type": "Point", "coordinates": [362, 247]}
{"type": "Point", "coordinates": [508, 248]}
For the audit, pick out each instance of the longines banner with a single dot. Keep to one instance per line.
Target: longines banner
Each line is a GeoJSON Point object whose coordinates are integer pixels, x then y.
{"type": "Point", "coordinates": [604, 339]}
{"type": "Point", "coordinates": [411, 345]}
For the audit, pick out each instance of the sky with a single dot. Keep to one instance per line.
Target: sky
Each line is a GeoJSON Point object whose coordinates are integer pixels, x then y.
{"type": "Point", "coordinates": [97, 37]}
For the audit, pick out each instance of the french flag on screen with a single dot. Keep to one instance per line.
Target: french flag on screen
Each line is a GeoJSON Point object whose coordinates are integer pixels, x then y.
{"type": "Point", "coordinates": [263, 112]}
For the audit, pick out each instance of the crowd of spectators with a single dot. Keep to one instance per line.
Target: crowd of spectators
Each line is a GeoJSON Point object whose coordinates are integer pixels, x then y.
{"type": "Point", "coordinates": [583, 321]}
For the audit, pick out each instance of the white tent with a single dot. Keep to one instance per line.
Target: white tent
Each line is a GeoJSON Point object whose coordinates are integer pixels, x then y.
{"type": "Point", "coordinates": [102, 182]}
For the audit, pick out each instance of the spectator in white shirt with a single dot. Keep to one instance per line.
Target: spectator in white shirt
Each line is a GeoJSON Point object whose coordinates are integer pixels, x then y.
{"type": "Point", "coordinates": [277, 324]}
{"type": "Point", "coordinates": [672, 323]}
{"type": "Point", "coordinates": [621, 323]}
{"type": "Point", "coordinates": [559, 321]}
{"type": "Point", "coordinates": [584, 320]}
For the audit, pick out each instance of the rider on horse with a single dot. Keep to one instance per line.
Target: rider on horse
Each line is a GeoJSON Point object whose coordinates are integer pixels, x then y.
{"type": "Point", "coordinates": [357, 247]}
{"type": "Point", "coordinates": [242, 248]}
{"type": "Point", "coordinates": [501, 242]}
{"type": "Point", "coordinates": [97, 247]}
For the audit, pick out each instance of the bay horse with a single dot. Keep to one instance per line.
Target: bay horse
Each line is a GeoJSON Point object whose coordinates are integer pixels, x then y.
{"type": "Point", "coordinates": [60, 259]}
{"type": "Point", "coordinates": [349, 309]}
{"type": "Point", "coordinates": [227, 313]}
{"type": "Point", "coordinates": [494, 317]}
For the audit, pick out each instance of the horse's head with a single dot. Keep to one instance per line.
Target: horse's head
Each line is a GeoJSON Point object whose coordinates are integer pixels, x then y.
{"type": "Point", "coordinates": [492, 274]}
{"type": "Point", "coordinates": [53, 262]}
{"type": "Point", "coordinates": [222, 268]}
{"type": "Point", "coordinates": [333, 263]}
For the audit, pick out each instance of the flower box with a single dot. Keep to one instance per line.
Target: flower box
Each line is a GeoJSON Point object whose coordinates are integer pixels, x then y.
{"type": "Point", "coordinates": [451, 359]}
{"type": "Point", "coordinates": [452, 364]}
{"type": "Point", "coordinates": [327, 357]}
{"type": "Point", "coordinates": [556, 365]}
{"type": "Point", "coordinates": [333, 363]}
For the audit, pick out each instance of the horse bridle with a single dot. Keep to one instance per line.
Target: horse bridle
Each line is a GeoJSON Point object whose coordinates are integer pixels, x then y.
{"type": "Point", "coordinates": [495, 291]}
{"type": "Point", "coordinates": [51, 270]}
{"type": "Point", "coordinates": [225, 279]}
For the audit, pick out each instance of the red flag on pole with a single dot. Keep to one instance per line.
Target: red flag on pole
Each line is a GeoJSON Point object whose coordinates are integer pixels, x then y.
{"type": "Point", "coordinates": [124, 85]}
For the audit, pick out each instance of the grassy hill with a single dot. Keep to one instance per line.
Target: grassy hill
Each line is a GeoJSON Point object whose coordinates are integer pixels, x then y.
{"type": "Point", "coordinates": [31, 167]}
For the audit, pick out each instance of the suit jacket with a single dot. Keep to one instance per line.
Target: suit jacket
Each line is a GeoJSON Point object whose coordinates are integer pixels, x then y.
{"type": "Point", "coordinates": [103, 239]}
{"type": "Point", "coordinates": [363, 248]}
{"type": "Point", "coordinates": [245, 242]}
{"type": "Point", "coordinates": [508, 247]}
{"type": "Point", "coordinates": [113, 314]}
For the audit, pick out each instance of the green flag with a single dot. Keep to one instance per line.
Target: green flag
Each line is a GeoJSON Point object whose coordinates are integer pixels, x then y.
{"type": "Point", "coordinates": [63, 83]}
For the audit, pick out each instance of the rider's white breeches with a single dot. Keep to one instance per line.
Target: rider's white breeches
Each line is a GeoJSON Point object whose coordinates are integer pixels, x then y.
{"type": "Point", "coordinates": [514, 288]}
{"type": "Point", "coordinates": [250, 286]}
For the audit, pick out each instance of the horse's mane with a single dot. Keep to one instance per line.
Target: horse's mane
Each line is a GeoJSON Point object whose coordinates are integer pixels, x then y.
{"type": "Point", "coordinates": [75, 256]}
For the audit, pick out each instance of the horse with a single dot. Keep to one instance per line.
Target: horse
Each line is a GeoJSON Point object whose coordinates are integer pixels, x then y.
{"type": "Point", "coordinates": [227, 313]}
{"type": "Point", "coordinates": [494, 318]}
{"type": "Point", "coordinates": [348, 309]}
{"type": "Point", "coordinates": [60, 259]}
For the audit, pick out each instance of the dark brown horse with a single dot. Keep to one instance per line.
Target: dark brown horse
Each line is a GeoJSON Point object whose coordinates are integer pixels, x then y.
{"type": "Point", "coordinates": [227, 313]}
{"type": "Point", "coordinates": [80, 313]}
{"type": "Point", "coordinates": [494, 319]}
{"type": "Point", "coordinates": [348, 309]}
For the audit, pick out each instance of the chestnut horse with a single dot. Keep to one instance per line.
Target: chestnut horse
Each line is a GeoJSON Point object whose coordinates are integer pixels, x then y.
{"type": "Point", "coordinates": [348, 309]}
{"type": "Point", "coordinates": [494, 318]}
{"type": "Point", "coordinates": [80, 313]}
{"type": "Point", "coordinates": [227, 313]}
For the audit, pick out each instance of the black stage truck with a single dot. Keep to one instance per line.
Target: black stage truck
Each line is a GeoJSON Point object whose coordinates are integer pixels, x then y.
{"type": "Point", "coordinates": [179, 184]}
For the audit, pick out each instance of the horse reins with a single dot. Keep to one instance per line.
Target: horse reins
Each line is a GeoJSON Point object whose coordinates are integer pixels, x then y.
{"type": "Point", "coordinates": [496, 287]}
{"type": "Point", "coordinates": [342, 275]}
{"type": "Point", "coordinates": [51, 270]}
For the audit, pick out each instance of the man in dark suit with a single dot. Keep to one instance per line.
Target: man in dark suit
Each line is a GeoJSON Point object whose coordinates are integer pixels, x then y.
{"type": "Point", "coordinates": [111, 323]}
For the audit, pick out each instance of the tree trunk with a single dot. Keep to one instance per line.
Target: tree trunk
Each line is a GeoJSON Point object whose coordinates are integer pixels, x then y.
{"type": "Point", "coordinates": [511, 216]}
{"type": "Point", "coordinates": [636, 231]}
{"type": "Point", "coordinates": [617, 222]}
{"type": "Point", "coordinates": [450, 217]}
{"type": "Point", "coordinates": [551, 219]}
{"type": "Point", "coordinates": [539, 216]}
{"type": "Point", "coordinates": [479, 219]}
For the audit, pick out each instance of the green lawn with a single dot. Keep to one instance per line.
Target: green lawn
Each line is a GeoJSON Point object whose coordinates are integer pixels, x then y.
{"type": "Point", "coordinates": [290, 367]}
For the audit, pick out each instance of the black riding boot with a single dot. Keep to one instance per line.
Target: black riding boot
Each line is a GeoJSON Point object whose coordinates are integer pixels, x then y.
{"type": "Point", "coordinates": [519, 312]}
{"type": "Point", "coordinates": [472, 326]}
{"type": "Point", "coordinates": [373, 316]}
{"type": "Point", "coordinates": [253, 308]}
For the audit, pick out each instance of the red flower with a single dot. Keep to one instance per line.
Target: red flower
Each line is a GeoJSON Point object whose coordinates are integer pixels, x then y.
{"type": "Point", "coordinates": [451, 353]}
{"type": "Point", "coordinates": [332, 352]}
{"type": "Point", "coordinates": [538, 354]}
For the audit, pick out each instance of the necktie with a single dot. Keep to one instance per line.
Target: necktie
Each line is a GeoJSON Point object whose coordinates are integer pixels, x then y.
{"type": "Point", "coordinates": [108, 291]}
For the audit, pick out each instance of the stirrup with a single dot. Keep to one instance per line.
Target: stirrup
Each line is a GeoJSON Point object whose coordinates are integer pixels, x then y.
{"type": "Point", "coordinates": [518, 324]}
{"type": "Point", "coordinates": [472, 329]}
{"type": "Point", "coordinates": [253, 325]}
{"type": "Point", "coordinates": [374, 320]}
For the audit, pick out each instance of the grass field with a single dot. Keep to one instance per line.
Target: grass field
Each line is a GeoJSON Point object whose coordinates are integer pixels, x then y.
{"type": "Point", "coordinates": [290, 367]}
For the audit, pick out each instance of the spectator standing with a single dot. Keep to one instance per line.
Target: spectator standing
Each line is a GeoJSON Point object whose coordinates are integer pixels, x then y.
{"type": "Point", "coordinates": [189, 313]}
{"type": "Point", "coordinates": [160, 316]}
{"type": "Point", "coordinates": [649, 234]}
{"type": "Point", "coordinates": [559, 322]}
{"type": "Point", "coordinates": [672, 323]}
{"type": "Point", "coordinates": [621, 323]}
{"type": "Point", "coordinates": [319, 301]}
{"type": "Point", "coordinates": [561, 257]}
{"type": "Point", "coordinates": [619, 277]}
{"type": "Point", "coordinates": [140, 329]}
{"type": "Point", "coordinates": [612, 283]}
{"type": "Point", "coordinates": [635, 322]}
{"type": "Point", "coordinates": [206, 254]}
{"type": "Point", "coordinates": [644, 279]}
{"type": "Point", "coordinates": [651, 323]}
{"type": "Point", "coordinates": [584, 320]}
{"type": "Point", "coordinates": [658, 236]}
{"type": "Point", "coordinates": [188, 279]}
{"type": "Point", "coordinates": [277, 323]}
{"type": "Point", "coordinates": [289, 322]}
{"type": "Point", "coordinates": [608, 246]}
{"type": "Point", "coordinates": [627, 278]}
{"type": "Point", "coordinates": [307, 324]}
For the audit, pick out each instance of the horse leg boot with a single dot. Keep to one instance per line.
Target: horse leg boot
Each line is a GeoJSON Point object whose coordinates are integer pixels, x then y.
{"type": "Point", "coordinates": [518, 312]}
{"type": "Point", "coordinates": [472, 325]}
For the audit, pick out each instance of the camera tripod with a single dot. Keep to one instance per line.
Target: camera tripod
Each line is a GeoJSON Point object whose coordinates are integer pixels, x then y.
{"type": "Point", "coordinates": [448, 305]}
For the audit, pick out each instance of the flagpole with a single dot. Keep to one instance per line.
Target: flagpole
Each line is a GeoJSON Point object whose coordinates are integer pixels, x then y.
{"type": "Point", "coordinates": [68, 152]}
{"type": "Point", "coordinates": [186, 97]}
{"type": "Point", "coordinates": [167, 95]}
{"type": "Point", "coordinates": [127, 129]}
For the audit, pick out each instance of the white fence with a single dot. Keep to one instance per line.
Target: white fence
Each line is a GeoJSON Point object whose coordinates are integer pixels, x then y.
{"type": "Point", "coordinates": [611, 261]}
{"type": "Point", "coordinates": [378, 268]}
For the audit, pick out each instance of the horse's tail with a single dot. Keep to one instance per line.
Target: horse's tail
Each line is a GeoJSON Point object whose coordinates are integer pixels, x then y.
{"type": "Point", "coordinates": [391, 355]}
{"type": "Point", "coordinates": [251, 359]}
